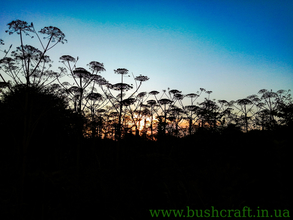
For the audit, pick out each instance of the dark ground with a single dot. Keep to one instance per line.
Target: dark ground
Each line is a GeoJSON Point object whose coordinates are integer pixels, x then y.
{"type": "Point", "coordinates": [124, 180]}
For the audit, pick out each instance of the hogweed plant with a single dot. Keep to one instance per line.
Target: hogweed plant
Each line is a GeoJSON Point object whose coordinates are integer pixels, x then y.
{"type": "Point", "coordinates": [28, 64]}
{"type": "Point", "coordinates": [83, 79]}
{"type": "Point", "coordinates": [118, 102]}
{"type": "Point", "coordinates": [127, 110]}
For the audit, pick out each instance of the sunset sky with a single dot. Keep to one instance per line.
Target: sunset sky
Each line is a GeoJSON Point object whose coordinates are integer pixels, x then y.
{"type": "Point", "coordinates": [231, 47]}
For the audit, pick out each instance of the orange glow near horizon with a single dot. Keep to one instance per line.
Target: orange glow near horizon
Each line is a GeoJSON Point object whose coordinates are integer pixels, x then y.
{"type": "Point", "coordinates": [141, 123]}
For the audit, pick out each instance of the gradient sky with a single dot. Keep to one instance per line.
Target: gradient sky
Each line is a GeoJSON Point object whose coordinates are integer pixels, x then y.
{"type": "Point", "coordinates": [231, 47]}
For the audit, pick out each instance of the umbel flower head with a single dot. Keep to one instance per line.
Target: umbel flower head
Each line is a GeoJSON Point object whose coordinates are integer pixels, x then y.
{"type": "Point", "coordinates": [151, 102]}
{"type": "Point", "coordinates": [121, 71]}
{"type": "Point", "coordinates": [129, 101]}
{"type": "Point", "coordinates": [165, 101]}
{"type": "Point", "coordinates": [141, 78]}
{"type": "Point", "coordinates": [19, 26]}
{"type": "Point", "coordinates": [178, 96]}
{"type": "Point", "coordinates": [96, 66]}
{"type": "Point", "coordinates": [175, 110]}
{"type": "Point", "coordinates": [81, 72]}
{"type": "Point", "coordinates": [102, 81]}
{"type": "Point", "coordinates": [28, 52]}
{"type": "Point", "coordinates": [54, 34]}
{"type": "Point", "coordinates": [67, 58]}
{"type": "Point", "coordinates": [192, 95]}
{"type": "Point", "coordinates": [141, 94]}
{"type": "Point", "coordinates": [7, 61]}
{"type": "Point", "coordinates": [121, 86]}
{"type": "Point", "coordinates": [192, 108]}
{"type": "Point", "coordinates": [154, 92]}
{"type": "Point", "coordinates": [244, 102]}
{"type": "Point", "coordinates": [174, 91]}
{"type": "Point", "coordinates": [94, 96]}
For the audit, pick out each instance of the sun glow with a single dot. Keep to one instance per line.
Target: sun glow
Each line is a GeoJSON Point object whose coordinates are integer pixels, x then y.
{"type": "Point", "coordinates": [143, 122]}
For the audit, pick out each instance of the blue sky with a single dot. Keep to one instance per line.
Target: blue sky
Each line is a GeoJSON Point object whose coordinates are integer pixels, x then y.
{"type": "Point", "coordinates": [231, 47]}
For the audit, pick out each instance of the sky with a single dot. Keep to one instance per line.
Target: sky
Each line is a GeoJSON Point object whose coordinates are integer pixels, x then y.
{"type": "Point", "coordinates": [233, 48]}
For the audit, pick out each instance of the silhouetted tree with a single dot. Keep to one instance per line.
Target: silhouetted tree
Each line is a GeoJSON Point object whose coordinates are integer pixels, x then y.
{"type": "Point", "coordinates": [40, 130]}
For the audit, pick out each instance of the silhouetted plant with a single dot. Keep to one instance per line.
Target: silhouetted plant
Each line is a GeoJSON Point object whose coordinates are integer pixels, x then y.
{"type": "Point", "coordinates": [29, 62]}
{"type": "Point", "coordinates": [244, 107]}
{"type": "Point", "coordinates": [191, 110]}
{"type": "Point", "coordinates": [176, 115]}
{"type": "Point", "coordinates": [83, 79]}
{"type": "Point", "coordinates": [93, 103]}
{"type": "Point", "coordinates": [118, 102]}
{"type": "Point", "coordinates": [270, 103]}
{"type": "Point", "coordinates": [209, 113]}
{"type": "Point", "coordinates": [226, 115]}
{"type": "Point", "coordinates": [6, 83]}
{"type": "Point", "coordinates": [165, 105]}
{"type": "Point", "coordinates": [152, 108]}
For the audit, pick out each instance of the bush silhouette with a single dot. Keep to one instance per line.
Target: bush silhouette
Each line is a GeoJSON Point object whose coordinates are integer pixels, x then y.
{"type": "Point", "coordinates": [37, 118]}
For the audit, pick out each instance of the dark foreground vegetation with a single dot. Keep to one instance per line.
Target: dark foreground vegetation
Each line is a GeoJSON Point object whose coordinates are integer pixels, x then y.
{"type": "Point", "coordinates": [55, 173]}
{"type": "Point", "coordinates": [69, 152]}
